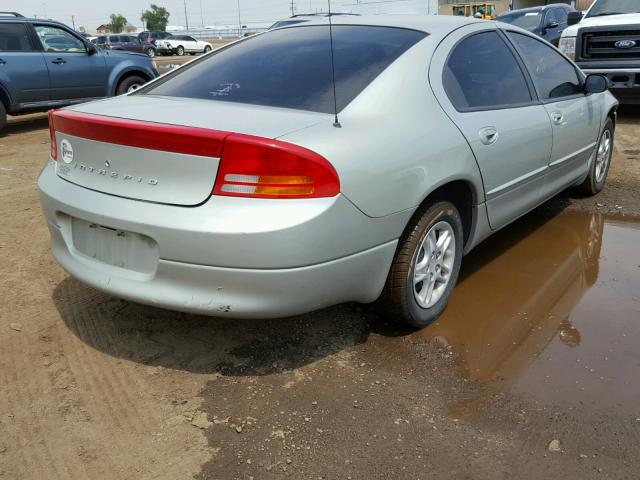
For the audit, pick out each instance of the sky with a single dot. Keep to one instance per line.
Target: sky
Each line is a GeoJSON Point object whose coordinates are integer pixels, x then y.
{"type": "Point", "coordinates": [91, 13]}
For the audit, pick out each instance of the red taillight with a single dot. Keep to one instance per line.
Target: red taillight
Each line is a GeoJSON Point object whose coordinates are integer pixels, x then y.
{"type": "Point", "coordinates": [264, 168]}
{"type": "Point", "coordinates": [52, 135]}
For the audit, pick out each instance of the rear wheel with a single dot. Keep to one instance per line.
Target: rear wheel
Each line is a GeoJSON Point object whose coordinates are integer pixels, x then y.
{"type": "Point", "coordinates": [426, 266]}
{"type": "Point", "coordinates": [180, 50]}
{"type": "Point", "coordinates": [151, 52]}
{"type": "Point", "coordinates": [207, 49]}
{"type": "Point", "coordinates": [130, 84]}
{"type": "Point", "coordinates": [3, 116]}
{"type": "Point", "coordinates": [595, 181]}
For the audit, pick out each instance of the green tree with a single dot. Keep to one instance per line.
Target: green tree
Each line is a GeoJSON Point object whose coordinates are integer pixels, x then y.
{"type": "Point", "coordinates": [118, 22]}
{"type": "Point", "coordinates": [156, 18]}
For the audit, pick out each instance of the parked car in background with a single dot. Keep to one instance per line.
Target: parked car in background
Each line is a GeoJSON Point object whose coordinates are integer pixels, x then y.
{"type": "Point", "coordinates": [45, 64]}
{"type": "Point", "coordinates": [129, 43]}
{"type": "Point", "coordinates": [239, 186]}
{"type": "Point", "coordinates": [548, 21]}
{"type": "Point", "coordinates": [153, 36]}
{"type": "Point", "coordinates": [606, 40]}
{"type": "Point", "coordinates": [181, 44]}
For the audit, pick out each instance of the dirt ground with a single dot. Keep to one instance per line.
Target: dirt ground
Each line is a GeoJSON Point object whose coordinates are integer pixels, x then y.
{"type": "Point", "coordinates": [534, 378]}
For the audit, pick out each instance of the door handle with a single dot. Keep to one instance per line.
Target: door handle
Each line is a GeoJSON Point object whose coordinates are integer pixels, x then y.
{"type": "Point", "coordinates": [59, 61]}
{"type": "Point", "coordinates": [488, 135]}
{"type": "Point", "coordinates": [557, 118]}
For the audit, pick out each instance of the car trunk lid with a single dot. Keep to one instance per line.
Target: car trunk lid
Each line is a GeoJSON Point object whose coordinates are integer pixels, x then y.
{"type": "Point", "coordinates": [159, 149]}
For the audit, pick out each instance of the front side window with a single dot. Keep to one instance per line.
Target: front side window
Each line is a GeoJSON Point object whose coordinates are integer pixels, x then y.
{"type": "Point", "coordinates": [561, 15]}
{"type": "Point", "coordinates": [14, 37]}
{"type": "Point", "coordinates": [291, 68]}
{"type": "Point", "coordinates": [554, 76]}
{"type": "Point", "coordinates": [56, 39]}
{"type": "Point", "coordinates": [481, 72]}
{"type": "Point", "coordinates": [550, 17]}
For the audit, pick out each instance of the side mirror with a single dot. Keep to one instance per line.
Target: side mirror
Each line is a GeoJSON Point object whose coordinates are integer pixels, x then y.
{"type": "Point", "coordinates": [574, 17]}
{"type": "Point", "coordinates": [551, 25]}
{"type": "Point", "coordinates": [91, 48]}
{"type": "Point", "coordinates": [595, 84]}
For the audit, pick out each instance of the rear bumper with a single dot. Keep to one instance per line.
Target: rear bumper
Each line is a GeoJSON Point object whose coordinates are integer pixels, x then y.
{"type": "Point", "coordinates": [230, 257]}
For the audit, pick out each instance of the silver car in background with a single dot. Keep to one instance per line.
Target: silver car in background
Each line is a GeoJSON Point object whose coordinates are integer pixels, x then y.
{"type": "Point", "coordinates": [228, 188]}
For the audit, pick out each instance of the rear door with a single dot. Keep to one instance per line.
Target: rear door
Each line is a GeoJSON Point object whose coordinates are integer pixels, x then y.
{"type": "Point", "coordinates": [23, 71]}
{"type": "Point", "coordinates": [575, 116]}
{"type": "Point", "coordinates": [485, 90]}
{"type": "Point", "coordinates": [73, 73]}
{"type": "Point", "coordinates": [191, 44]}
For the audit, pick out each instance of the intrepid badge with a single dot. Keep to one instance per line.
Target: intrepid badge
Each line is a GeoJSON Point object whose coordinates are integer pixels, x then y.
{"type": "Point", "coordinates": [67, 151]}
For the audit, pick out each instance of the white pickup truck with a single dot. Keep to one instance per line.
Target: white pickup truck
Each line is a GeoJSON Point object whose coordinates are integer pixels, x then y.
{"type": "Point", "coordinates": [606, 40]}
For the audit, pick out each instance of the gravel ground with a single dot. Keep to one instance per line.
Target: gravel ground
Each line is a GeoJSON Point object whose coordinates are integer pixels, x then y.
{"type": "Point", "coordinates": [96, 387]}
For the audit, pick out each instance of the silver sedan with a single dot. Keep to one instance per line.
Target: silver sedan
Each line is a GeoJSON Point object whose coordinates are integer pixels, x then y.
{"type": "Point", "coordinates": [279, 175]}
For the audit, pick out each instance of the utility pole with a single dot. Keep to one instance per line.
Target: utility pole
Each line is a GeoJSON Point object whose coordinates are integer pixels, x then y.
{"type": "Point", "coordinates": [73, 22]}
{"type": "Point", "coordinates": [186, 20]}
{"type": "Point", "coordinates": [293, 9]}
{"type": "Point", "coordinates": [201, 16]}
{"type": "Point", "coordinates": [144, 27]}
{"type": "Point", "coordinates": [239, 21]}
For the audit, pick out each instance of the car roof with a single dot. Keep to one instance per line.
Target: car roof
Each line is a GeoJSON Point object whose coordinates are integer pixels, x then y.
{"type": "Point", "coordinates": [40, 21]}
{"type": "Point", "coordinates": [431, 24]}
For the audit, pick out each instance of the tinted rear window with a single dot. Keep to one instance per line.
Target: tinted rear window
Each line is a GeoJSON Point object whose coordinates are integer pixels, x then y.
{"type": "Point", "coordinates": [291, 68]}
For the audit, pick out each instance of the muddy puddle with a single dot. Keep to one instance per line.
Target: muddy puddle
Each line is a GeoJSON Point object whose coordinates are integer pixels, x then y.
{"type": "Point", "coordinates": [550, 308]}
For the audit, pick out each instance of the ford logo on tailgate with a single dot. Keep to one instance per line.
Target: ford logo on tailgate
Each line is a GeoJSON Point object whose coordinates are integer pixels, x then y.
{"type": "Point", "coordinates": [625, 44]}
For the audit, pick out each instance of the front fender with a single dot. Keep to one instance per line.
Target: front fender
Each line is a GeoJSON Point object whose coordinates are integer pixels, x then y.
{"type": "Point", "coordinates": [124, 68]}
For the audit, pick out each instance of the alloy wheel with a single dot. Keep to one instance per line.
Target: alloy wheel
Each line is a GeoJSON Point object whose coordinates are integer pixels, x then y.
{"type": "Point", "coordinates": [603, 155]}
{"type": "Point", "coordinates": [433, 264]}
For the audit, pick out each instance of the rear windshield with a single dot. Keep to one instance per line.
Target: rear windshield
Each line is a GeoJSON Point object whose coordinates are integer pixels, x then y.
{"type": "Point", "coordinates": [291, 68]}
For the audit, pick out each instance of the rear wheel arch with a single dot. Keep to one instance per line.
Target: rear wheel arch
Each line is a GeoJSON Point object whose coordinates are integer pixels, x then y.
{"type": "Point", "coordinates": [462, 194]}
{"type": "Point", "coordinates": [5, 99]}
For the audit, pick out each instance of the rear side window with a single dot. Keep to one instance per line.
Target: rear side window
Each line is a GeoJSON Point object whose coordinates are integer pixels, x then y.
{"type": "Point", "coordinates": [554, 76]}
{"type": "Point", "coordinates": [291, 68]}
{"type": "Point", "coordinates": [14, 38]}
{"type": "Point", "coordinates": [481, 72]}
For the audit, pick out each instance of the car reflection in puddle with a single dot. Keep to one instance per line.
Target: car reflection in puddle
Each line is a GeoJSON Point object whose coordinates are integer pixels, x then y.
{"type": "Point", "coordinates": [551, 309]}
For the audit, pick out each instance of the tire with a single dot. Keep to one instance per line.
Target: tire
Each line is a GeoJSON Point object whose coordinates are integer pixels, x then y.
{"type": "Point", "coordinates": [129, 84]}
{"type": "Point", "coordinates": [597, 177]}
{"type": "Point", "coordinates": [401, 297]}
{"type": "Point", "coordinates": [151, 52]}
{"type": "Point", "coordinates": [207, 49]}
{"type": "Point", "coordinates": [180, 50]}
{"type": "Point", "coordinates": [3, 117]}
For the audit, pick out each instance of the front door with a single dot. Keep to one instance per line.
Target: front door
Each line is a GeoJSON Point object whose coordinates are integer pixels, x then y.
{"type": "Point", "coordinates": [575, 116]}
{"type": "Point", "coordinates": [73, 73]}
{"type": "Point", "coordinates": [491, 101]}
